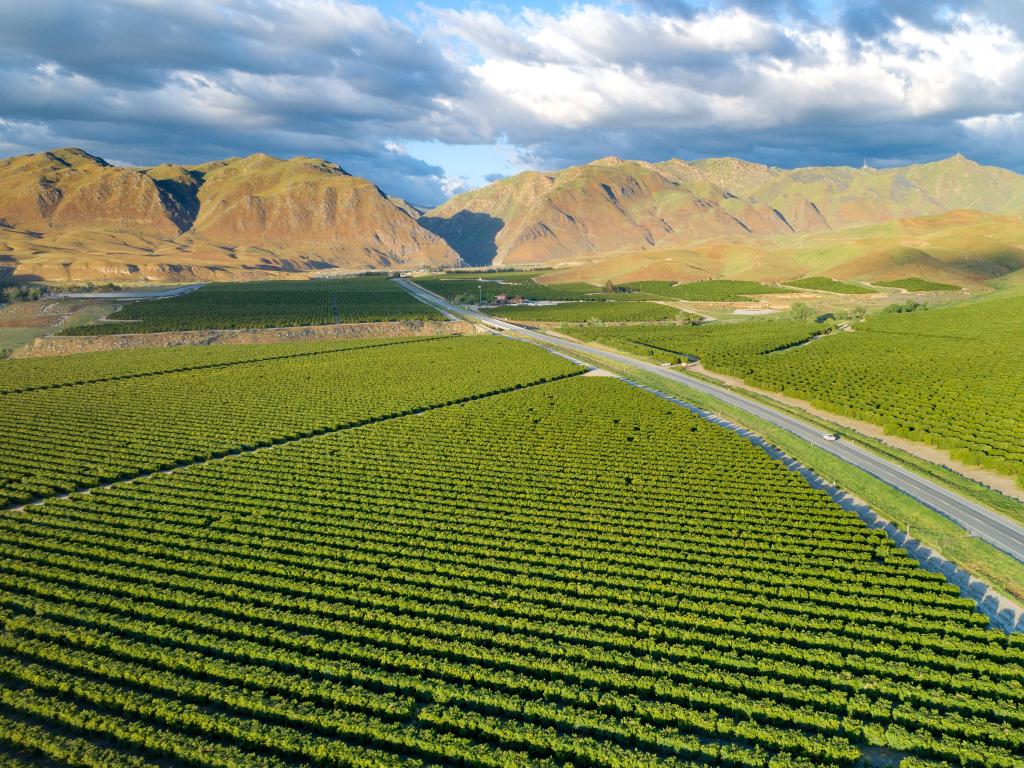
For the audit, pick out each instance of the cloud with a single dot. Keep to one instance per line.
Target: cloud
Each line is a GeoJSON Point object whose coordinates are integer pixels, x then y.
{"type": "Point", "coordinates": [739, 80]}
{"type": "Point", "coordinates": [786, 82]}
{"type": "Point", "coordinates": [190, 80]}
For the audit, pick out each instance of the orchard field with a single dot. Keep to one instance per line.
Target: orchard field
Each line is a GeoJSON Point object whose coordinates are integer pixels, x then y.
{"type": "Point", "coordinates": [918, 285]}
{"type": "Point", "coordinates": [573, 312]}
{"type": "Point", "coordinates": [25, 374]}
{"type": "Point", "coordinates": [732, 348]}
{"type": "Point", "coordinates": [55, 440]}
{"type": "Point", "coordinates": [708, 290]}
{"type": "Point", "coordinates": [951, 377]}
{"type": "Point", "coordinates": [465, 290]}
{"type": "Point", "coordinates": [482, 559]}
{"type": "Point", "coordinates": [267, 305]}
{"type": "Point", "coordinates": [473, 287]}
{"type": "Point", "coordinates": [830, 285]}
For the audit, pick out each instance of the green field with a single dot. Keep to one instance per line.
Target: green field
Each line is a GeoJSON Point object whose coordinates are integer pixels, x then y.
{"type": "Point", "coordinates": [54, 440]}
{"type": "Point", "coordinates": [508, 275]}
{"type": "Point", "coordinates": [471, 290]}
{"type": "Point", "coordinates": [950, 377]}
{"type": "Point", "coordinates": [12, 338]}
{"type": "Point", "coordinates": [574, 573]}
{"type": "Point", "coordinates": [25, 374]}
{"type": "Point", "coordinates": [917, 285]}
{"type": "Point", "coordinates": [592, 312]}
{"type": "Point", "coordinates": [707, 290]}
{"type": "Point", "coordinates": [830, 285]}
{"type": "Point", "coordinates": [730, 347]}
{"type": "Point", "coordinates": [268, 305]}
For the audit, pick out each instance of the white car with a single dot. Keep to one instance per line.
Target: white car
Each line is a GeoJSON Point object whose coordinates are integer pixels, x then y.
{"type": "Point", "coordinates": [831, 436]}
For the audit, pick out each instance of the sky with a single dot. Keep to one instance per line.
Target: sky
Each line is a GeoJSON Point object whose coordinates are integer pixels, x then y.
{"type": "Point", "coordinates": [429, 99]}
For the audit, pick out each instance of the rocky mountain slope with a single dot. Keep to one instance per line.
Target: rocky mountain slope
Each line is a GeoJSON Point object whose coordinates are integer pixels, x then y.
{"type": "Point", "coordinates": [67, 215]}
{"type": "Point", "coordinates": [714, 210]}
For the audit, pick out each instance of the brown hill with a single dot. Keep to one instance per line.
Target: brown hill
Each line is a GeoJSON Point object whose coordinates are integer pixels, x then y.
{"type": "Point", "coordinates": [66, 215]}
{"type": "Point", "coordinates": [726, 215]}
{"type": "Point", "coordinates": [605, 206]}
{"type": "Point", "coordinates": [960, 247]}
{"type": "Point", "coordinates": [69, 188]}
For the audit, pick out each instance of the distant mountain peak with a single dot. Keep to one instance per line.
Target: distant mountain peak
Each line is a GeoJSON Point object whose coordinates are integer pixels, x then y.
{"type": "Point", "coordinates": [73, 157]}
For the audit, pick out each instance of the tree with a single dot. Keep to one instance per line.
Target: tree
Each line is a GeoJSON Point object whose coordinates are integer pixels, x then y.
{"type": "Point", "coordinates": [801, 311]}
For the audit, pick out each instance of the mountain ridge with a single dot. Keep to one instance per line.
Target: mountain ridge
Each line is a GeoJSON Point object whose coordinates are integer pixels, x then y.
{"type": "Point", "coordinates": [69, 215]}
{"type": "Point", "coordinates": [611, 205]}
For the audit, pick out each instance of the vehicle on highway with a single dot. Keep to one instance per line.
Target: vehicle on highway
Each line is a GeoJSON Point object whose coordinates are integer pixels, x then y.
{"type": "Point", "coordinates": [831, 436]}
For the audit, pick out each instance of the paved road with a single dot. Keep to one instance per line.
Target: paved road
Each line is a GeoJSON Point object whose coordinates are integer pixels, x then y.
{"type": "Point", "coordinates": [987, 525]}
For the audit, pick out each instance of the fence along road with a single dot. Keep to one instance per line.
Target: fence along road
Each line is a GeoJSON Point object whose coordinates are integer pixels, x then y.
{"type": "Point", "coordinates": [987, 525]}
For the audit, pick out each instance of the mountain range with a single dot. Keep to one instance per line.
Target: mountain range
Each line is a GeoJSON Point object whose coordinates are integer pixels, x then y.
{"type": "Point", "coordinates": [67, 215]}
{"type": "Point", "coordinates": [728, 217]}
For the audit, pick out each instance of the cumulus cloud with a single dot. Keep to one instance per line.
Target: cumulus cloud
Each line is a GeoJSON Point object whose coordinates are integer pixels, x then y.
{"type": "Point", "coordinates": [778, 81]}
{"type": "Point", "coordinates": [190, 81]}
{"type": "Point", "coordinates": [670, 84]}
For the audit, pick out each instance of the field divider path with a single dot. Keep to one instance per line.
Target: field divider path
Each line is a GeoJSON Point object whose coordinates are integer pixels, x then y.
{"type": "Point", "coordinates": [206, 366]}
{"type": "Point", "coordinates": [284, 441]}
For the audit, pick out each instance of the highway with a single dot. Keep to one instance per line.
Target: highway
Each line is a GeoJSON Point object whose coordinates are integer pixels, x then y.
{"type": "Point", "coordinates": [978, 520]}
